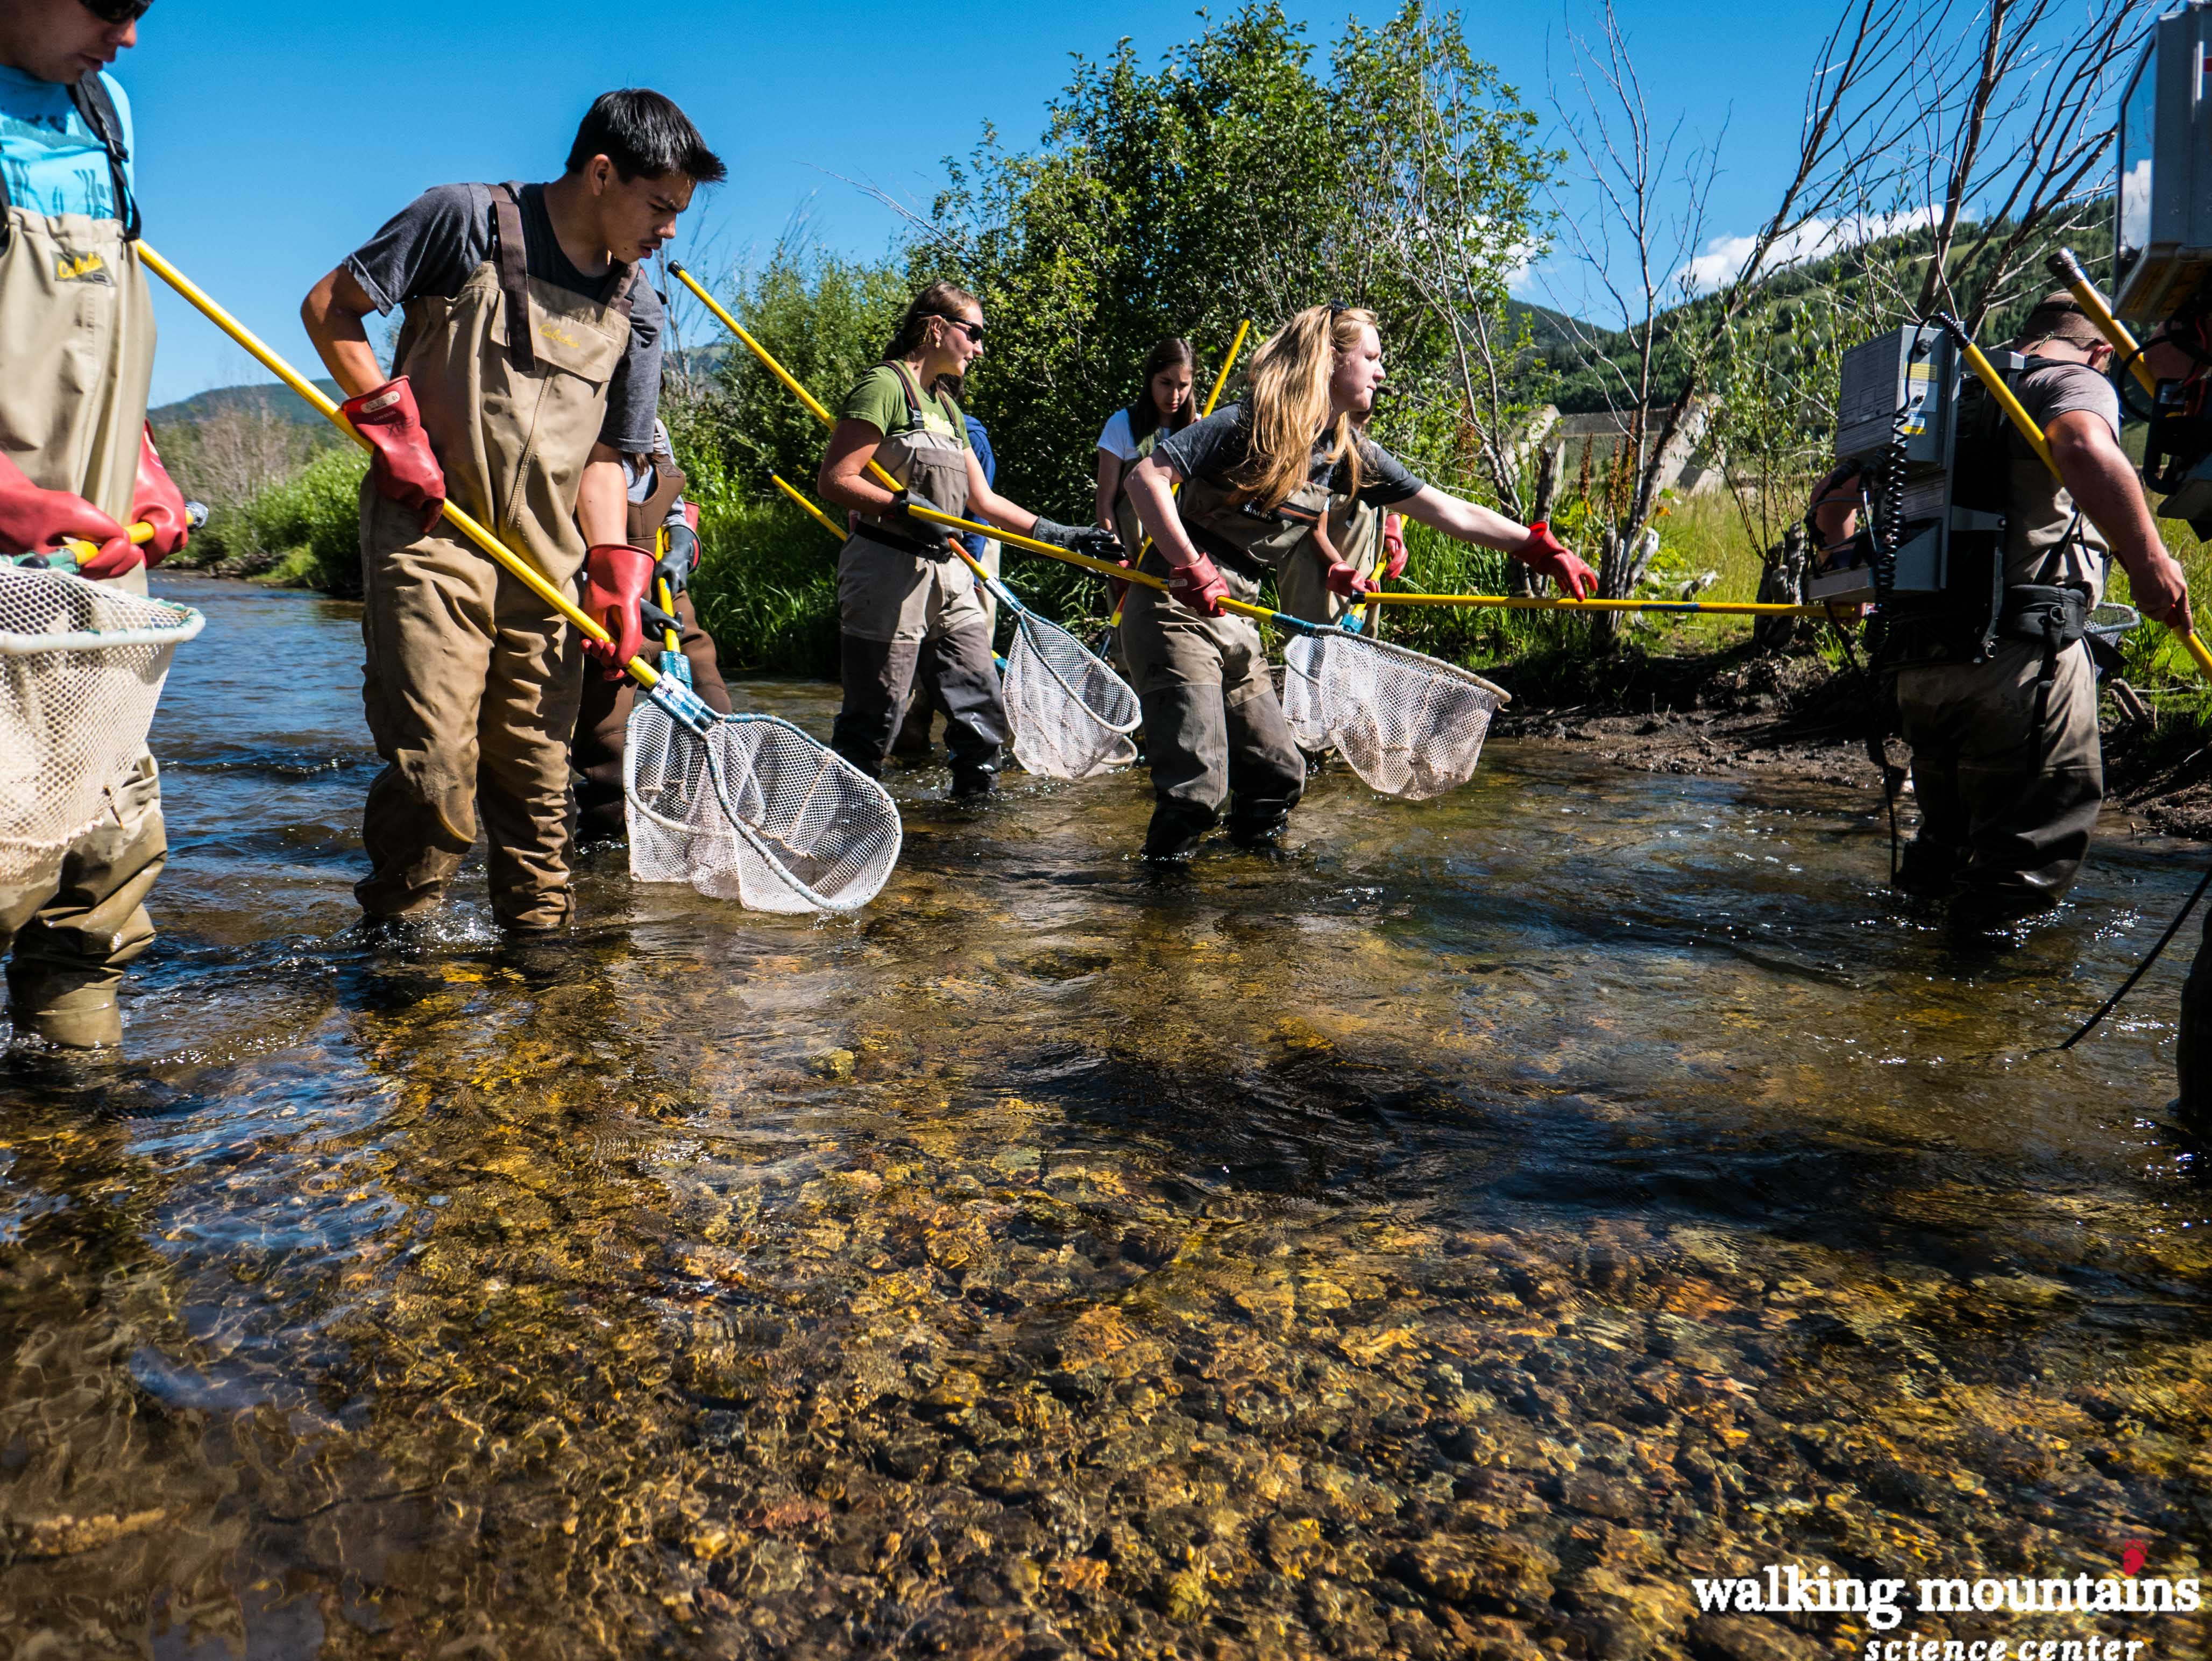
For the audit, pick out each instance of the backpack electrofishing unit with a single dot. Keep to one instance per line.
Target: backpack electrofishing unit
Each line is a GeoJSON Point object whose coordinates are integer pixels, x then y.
{"type": "Point", "coordinates": [1926, 445]}
{"type": "Point", "coordinates": [2162, 249]}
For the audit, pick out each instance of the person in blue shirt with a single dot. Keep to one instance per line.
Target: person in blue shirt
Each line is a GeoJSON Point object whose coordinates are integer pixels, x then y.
{"type": "Point", "coordinates": [77, 466]}
{"type": "Point", "coordinates": [921, 710]}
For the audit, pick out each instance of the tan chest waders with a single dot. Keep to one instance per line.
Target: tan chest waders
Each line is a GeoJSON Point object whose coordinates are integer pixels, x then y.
{"type": "Point", "coordinates": [912, 618]}
{"type": "Point", "coordinates": [76, 337]}
{"type": "Point", "coordinates": [1214, 732]}
{"type": "Point", "coordinates": [471, 685]}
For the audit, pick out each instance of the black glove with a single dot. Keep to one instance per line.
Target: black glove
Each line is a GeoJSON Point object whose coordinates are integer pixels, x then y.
{"type": "Point", "coordinates": [1078, 539]}
{"type": "Point", "coordinates": [927, 529]}
{"type": "Point", "coordinates": [658, 623]}
{"type": "Point", "coordinates": [676, 566]}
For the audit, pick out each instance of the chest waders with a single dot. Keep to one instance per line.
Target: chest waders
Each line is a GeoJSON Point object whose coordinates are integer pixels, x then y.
{"type": "Point", "coordinates": [471, 682]}
{"type": "Point", "coordinates": [910, 614]}
{"type": "Point", "coordinates": [603, 712]}
{"type": "Point", "coordinates": [1995, 696]}
{"type": "Point", "coordinates": [1353, 530]}
{"type": "Point", "coordinates": [1215, 737]}
{"type": "Point", "coordinates": [76, 335]}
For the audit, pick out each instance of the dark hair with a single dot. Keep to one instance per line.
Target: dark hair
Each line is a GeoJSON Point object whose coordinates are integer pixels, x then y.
{"type": "Point", "coordinates": [645, 135]}
{"type": "Point", "coordinates": [1144, 414]}
{"type": "Point", "coordinates": [940, 300]}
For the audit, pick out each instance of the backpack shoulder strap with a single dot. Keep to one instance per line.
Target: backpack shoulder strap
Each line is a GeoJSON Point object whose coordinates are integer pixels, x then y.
{"type": "Point", "coordinates": [97, 106]}
{"type": "Point", "coordinates": [513, 257]}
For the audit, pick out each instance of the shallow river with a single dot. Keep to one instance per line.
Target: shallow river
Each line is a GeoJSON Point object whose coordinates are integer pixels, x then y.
{"type": "Point", "coordinates": [1448, 1240]}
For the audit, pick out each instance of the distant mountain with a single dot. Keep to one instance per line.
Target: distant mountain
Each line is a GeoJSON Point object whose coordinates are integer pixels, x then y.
{"type": "Point", "coordinates": [278, 400]}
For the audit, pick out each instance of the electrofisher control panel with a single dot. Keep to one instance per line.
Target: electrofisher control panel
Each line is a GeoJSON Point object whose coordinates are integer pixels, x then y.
{"type": "Point", "coordinates": [1897, 417]}
{"type": "Point", "coordinates": [2163, 209]}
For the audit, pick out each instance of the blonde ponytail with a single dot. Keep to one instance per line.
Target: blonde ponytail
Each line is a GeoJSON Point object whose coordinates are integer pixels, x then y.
{"type": "Point", "coordinates": [1289, 403]}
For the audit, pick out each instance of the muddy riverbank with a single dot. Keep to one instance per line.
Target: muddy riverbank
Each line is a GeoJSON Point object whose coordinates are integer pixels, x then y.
{"type": "Point", "coordinates": [1452, 1239]}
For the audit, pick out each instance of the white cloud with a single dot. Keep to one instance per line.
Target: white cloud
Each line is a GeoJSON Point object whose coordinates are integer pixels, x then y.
{"type": "Point", "coordinates": [1816, 239]}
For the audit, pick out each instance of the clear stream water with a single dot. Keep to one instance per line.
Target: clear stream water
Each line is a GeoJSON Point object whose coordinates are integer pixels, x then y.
{"type": "Point", "coordinates": [1448, 1240]}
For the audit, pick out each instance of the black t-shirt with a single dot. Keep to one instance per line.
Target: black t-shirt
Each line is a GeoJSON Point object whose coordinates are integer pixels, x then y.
{"type": "Point", "coordinates": [432, 246]}
{"type": "Point", "coordinates": [1215, 448]}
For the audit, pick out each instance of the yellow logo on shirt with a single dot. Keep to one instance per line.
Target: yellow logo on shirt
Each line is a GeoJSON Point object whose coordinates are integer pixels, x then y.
{"type": "Point", "coordinates": [80, 268]}
{"type": "Point", "coordinates": [559, 336]}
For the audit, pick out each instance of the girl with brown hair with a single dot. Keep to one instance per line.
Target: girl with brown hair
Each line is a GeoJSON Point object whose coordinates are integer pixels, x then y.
{"type": "Point", "coordinates": [906, 604]}
{"type": "Point", "coordinates": [1165, 406]}
{"type": "Point", "coordinates": [1256, 479]}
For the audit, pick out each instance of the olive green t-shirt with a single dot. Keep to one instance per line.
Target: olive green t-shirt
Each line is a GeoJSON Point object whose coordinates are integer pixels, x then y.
{"type": "Point", "coordinates": [879, 399]}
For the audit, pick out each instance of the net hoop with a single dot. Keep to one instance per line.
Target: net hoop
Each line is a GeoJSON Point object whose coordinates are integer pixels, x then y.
{"type": "Point", "coordinates": [687, 849]}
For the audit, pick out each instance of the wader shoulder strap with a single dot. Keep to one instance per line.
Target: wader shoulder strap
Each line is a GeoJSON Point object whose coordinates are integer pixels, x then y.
{"type": "Point", "coordinates": [90, 95]}
{"type": "Point", "coordinates": [514, 256]}
{"type": "Point", "coordinates": [915, 421]}
{"type": "Point", "coordinates": [624, 280]}
{"type": "Point", "coordinates": [91, 98]}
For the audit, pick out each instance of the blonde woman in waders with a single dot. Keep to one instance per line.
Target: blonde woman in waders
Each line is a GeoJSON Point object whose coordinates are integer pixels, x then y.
{"type": "Point", "coordinates": [1257, 478]}
{"type": "Point", "coordinates": [77, 465]}
{"type": "Point", "coordinates": [907, 605]}
{"type": "Point", "coordinates": [1164, 406]}
{"type": "Point", "coordinates": [528, 367]}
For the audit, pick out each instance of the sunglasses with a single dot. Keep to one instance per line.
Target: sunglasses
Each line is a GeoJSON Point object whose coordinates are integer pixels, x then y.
{"type": "Point", "coordinates": [116, 11]}
{"type": "Point", "coordinates": [973, 330]}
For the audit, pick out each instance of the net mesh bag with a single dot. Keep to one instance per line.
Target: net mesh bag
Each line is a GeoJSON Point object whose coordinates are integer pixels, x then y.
{"type": "Point", "coordinates": [1408, 723]}
{"type": "Point", "coordinates": [81, 670]}
{"type": "Point", "coordinates": [1302, 693]}
{"type": "Point", "coordinates": [757, 811]}
{"type": "Point", "coordinates": [1071, 714]}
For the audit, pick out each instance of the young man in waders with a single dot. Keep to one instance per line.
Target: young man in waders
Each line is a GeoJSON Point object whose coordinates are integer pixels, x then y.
{"type": "Point", "coordinates": [657, 511]}
{"type": "Point", "coordinates": [2008, 768]}
{"type": "Point", "coordinates": [528, 367]}
{"type": "Point", "coordinates": [77, 465]}
{"type": "Point", "coordinates": [906, 603]}
{"type": "Point", "coordinates": [1257, 478]}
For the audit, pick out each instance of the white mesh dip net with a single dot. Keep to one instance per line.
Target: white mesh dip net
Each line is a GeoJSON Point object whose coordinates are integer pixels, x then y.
{"type": "Point", "coordinates": [757, 812]}
{"type": "Point", "coordinates": [1072, 715]}
{"type": "Point", "coordinates": [80, 671]}
{"type": "Point", "coordinates": [1408, 723]}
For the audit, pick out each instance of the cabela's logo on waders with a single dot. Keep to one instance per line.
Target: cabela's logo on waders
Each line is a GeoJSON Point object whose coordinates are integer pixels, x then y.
{"type": "Point", "coordinates": [81, 268]}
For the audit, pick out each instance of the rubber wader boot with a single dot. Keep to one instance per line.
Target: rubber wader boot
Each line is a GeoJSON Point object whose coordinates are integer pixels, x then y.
{"type": "Point", "coordinates": [78, 1011]}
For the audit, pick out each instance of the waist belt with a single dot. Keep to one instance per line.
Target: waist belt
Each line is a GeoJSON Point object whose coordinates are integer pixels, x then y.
{"type": "Point", "coordinates": [876, 533]}
{"type": "Point", "coordinates": [2052, 618]}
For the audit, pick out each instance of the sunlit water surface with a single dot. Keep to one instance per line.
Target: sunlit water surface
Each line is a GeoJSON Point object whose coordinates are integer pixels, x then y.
{"type": "Point", "coordinates": [1447, 1239]}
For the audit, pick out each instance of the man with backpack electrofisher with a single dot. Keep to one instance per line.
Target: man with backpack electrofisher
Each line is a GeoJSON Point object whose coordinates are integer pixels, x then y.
{"type": "Point", "coordinates": [78, 465]}
{"type": "Point", "coordinates": [1997, 696]}
{"type": "Point", "coordinates": [528, 367]}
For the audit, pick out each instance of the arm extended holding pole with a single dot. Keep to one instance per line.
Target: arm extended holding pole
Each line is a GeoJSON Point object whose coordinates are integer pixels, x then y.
{"type": "Point", "coordinates": [679, 702]}
{"type": "Point", "coordinates": [2084, 457]}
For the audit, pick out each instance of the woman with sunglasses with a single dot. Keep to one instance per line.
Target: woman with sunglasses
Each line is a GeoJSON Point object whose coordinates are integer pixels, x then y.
{"type": "Point", "coordinates": [907, 605]}
{"type": "Point", "coordinates": [78, 467]}
{"type": "Point", "coordinates": [1257, 479]}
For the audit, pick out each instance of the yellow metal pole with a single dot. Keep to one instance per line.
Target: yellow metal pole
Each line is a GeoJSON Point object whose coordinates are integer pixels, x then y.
{"type": "Point", "coordinates": [1212, 398]}
{"type": "Point", "coordinates": [2186, 626]}
{"type": "Point", "coordinates": [668, 642]}
{"type": "Point", "coordinates": [141, 533]}
{"type": "Point", "coordinates": [767, 358]}
{"type": "Point", "coordinates": [2068, 269]}
{"type": "Point", "coordinates": [522, 569]}
{"type": "Point", "coordinates": [790, 490]}
{"type": "Point", "coordinates": [1519, 602]}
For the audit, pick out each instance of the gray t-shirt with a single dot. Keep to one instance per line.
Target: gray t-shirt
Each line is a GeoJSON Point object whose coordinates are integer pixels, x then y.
{"type": "Point", "coordinates": [2040, 512]}
{"type": "Point", "coordinates": [434, 244]}
{"type": "Point", "coordinates": [1216, 447]}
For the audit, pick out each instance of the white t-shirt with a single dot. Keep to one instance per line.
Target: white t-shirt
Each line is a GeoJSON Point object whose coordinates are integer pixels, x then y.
{"type": "Point", "coordinates": [1117, 440]}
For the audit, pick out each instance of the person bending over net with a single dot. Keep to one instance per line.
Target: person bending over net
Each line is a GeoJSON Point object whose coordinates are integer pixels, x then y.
{"type": "Point", "coordinates": [1256, 479]}
{"type": "Point", "coordinates": [906, 603]}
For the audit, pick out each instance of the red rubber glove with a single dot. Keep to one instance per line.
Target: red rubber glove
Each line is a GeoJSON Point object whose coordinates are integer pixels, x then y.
{"type": "Point", "coordinates": [615, 577]}
{"type": "Point", "coordinates": [1346, 581]}
{"type": "Point", "coordinates": [158, 502]}
{"type": "Point", "coordinates": [37, 521]}
{"type": "Point", "coordinates": [400, 461]}
{"type": "Point", "coordinates": [1394, 547]}
{"type": "Point", "coordinates": [1198, 586]}
{"type": "Point", "coordinates": [1547, 556]}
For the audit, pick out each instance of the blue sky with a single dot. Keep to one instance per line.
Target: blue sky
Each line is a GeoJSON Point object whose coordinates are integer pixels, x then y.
{"type": "Point", "coordinates": [273, 139]}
